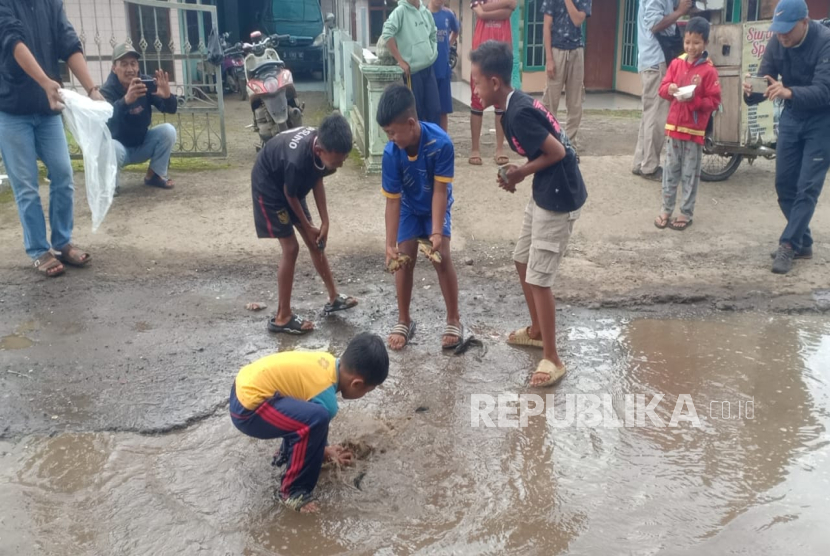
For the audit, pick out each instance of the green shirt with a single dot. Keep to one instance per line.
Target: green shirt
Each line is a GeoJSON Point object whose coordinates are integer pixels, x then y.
{"type": "Point", "coordinates": [415, 34]}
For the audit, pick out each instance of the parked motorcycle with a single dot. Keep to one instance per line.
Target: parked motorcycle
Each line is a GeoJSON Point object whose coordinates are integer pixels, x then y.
{"type": "Point", "coordinates": [270, 87]}
{"type": "Point", "coordinates": [233, 64]}
{"type": "Point", "coordinates": [453, 55]}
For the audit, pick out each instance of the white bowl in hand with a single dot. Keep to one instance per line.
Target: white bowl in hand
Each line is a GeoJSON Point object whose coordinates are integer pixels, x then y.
{"type": "Point", "coordinates": [685, 93]}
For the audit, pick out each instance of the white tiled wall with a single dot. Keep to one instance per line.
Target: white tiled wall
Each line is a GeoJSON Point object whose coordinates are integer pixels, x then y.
{"type": "Point", "coordinates": [107, 20]}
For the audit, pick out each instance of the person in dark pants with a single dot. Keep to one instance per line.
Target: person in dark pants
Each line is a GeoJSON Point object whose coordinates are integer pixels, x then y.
{"type": "Point", "coordinates": [798, 54]}
{"type": "Point", "coordinates": [292, 395]}
{"type": "Point", "coordinates": [412, 39]}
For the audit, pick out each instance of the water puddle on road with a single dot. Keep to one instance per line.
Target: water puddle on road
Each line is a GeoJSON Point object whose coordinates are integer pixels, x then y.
{"type": "Point", "coordinates": [750, 477]}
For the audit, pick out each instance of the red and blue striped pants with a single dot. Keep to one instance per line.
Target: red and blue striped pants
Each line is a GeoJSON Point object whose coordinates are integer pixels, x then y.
{"type": "Point", "coordinates": [303, 427]}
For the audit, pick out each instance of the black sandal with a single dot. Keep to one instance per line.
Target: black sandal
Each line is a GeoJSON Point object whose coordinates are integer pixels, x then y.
{"type": "Point", "coordinates": [158, 181]}
{"type": "Point", "coordinates": [341, 303]}
{"type": "Point", "coordinates": [293, 326]}
{"type": "Point", "coordinates": [452, 330]}
{"type": "Point", "coordinates": [401, 329]}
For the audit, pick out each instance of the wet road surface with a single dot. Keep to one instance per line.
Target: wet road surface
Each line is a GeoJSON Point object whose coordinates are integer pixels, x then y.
{"type": "Point", "coordinates": [749, 477]}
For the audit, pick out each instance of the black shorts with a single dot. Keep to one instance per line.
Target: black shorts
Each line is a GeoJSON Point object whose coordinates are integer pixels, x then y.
{"type": "Point", "coordinates": [276, 219]}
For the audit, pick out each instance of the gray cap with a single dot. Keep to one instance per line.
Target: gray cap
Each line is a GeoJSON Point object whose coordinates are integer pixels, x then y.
{"type": "Point", "coordinates": [122, 50]}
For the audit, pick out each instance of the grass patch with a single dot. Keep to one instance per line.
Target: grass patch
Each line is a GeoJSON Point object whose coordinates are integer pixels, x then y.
{"type": "Point", "coordinates": [628, 114]}
{"type": "Point", "coordinates": [183, 164]}
{"type": "Point", "coordinates": [355, 158]}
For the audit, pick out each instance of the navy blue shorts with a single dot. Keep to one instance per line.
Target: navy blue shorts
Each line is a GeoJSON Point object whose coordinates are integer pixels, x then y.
{"type": "Point", "coordinates": [445, 94]}
{"type": "Point", "coordinates": [414, 226]}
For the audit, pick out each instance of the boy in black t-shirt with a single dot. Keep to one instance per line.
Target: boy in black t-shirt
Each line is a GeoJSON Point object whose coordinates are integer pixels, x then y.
{"type": "Point", "coordinates": [288, 167]}
{"type": "Point", "coordinates": [558, 196]}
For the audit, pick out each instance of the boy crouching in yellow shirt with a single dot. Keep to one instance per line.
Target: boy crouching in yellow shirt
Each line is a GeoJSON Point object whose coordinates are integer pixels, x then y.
{"type": "Point", "coordinates": [292, 395]}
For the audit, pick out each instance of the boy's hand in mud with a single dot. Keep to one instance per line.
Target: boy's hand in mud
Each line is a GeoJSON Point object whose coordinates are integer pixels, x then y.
{"type": "Point", "coordinates": [338, 455]}
{"type": "Point", "coordinates": [391, 254]}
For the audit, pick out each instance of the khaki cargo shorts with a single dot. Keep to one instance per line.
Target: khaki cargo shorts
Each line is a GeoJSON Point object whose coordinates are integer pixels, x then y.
{"type": "Point", "coordinates": [542, 243]}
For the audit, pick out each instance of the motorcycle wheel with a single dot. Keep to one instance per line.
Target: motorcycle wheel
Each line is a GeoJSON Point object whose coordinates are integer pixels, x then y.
{"type": "Point", "coordinates": [717, 167]}
{"type": "Point", "coordinates": [453, 60]}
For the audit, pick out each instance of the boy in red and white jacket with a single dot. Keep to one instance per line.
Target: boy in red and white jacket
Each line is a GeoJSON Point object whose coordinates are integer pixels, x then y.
{"type": "Point", "coordinates": [686, 125]}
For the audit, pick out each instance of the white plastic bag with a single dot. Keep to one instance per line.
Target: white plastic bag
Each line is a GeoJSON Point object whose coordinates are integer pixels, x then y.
{"type": "Point", "coordinates": [87, 121]}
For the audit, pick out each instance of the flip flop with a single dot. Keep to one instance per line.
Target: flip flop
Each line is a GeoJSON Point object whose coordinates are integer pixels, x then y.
{"type": "Point", "coordinates": [660, 223]}
{"type": "Point", "coordinates": [48, 265]}
{"type": "Point", "coordinates": [293, 326]}
{"type": "Point", "coordinates": [71, 255]}
{"type": "Point", "coordinates": [341, 303]}
{"type": "Point", "coordinates": [475, 160]}
{"type": "Point", "coordinates": [452, 330]}
{"type": "Point", "coordinates": [401, 329]}
{"type": "Point", "coordinates": [158, 181]}
{"type": "Point", "coordinates": [501, 160]}
{"type": "Point", "coordinates": [521, 337]}
{"type": "Point", "coordinates": [674, 225]}
{"type": "Point", "coordinates": [554, 373]}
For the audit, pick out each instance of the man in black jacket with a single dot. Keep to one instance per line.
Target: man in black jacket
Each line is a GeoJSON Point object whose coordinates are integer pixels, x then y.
{"type": "Point", "coordinates": [126, 89]}
{"type": "Point", "coordinates": [799, 54]}
{"type": "Point", "coordinates": [34, 36]}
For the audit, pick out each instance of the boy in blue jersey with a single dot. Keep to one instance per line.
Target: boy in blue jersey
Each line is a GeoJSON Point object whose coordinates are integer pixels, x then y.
{"type": "Point", "coordinates": [447, 33]}
{"type": "Point", "coordinates": [418, 168]}
{"type": "Point", "coordinates": [292, 395]}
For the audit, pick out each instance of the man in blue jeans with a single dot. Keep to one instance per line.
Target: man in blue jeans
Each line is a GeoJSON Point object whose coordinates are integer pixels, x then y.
{"type": "Point", "coordinates": [798, 53]}
{"type": "Point", "coordinates": [133, 103]}
{"type": "Point", "coordinates": [30, 103]}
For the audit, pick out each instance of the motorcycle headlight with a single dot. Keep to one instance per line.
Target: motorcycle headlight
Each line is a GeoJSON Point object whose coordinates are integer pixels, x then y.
{"type": "Point", "coordinates": [319, 40]}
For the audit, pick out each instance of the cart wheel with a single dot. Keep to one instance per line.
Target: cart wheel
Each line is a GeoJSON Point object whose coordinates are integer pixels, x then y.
{"type": "Point", "coordinates": [715, 166]}
{"type": "Point", "coordinates": [718, 167]}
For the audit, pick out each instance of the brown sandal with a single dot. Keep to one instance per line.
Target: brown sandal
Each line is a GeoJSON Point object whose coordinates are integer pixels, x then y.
{"type": "Point", "coordinates": [48, 265]}
{"type": "Point", "coordinates": [71, 255]}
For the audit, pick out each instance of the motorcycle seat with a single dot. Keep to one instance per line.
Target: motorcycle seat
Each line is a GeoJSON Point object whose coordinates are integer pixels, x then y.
{"type": "Point", "coordinates": [268, 65]}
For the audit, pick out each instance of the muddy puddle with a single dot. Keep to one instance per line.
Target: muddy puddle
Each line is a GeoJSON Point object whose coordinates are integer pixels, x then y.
{"type": "Point", "coordinates": [749, 477]}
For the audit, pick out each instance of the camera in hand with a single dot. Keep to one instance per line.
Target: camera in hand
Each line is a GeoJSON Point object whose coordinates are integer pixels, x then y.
{"type": "Point", "coordinates": [152, 88]}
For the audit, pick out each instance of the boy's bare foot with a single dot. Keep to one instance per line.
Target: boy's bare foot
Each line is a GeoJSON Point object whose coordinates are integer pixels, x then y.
{"type": "Point", "coordinates": [310, 508]}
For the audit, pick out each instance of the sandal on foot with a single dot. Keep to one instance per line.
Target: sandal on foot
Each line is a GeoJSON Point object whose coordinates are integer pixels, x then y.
{"type": "Point", "coordinates": [401, 329]}
{"type": "Point", "coordinates": [69, 254]}
{"type": "Point", "coordinates": [521, 337]}
{"type": "Point", "coordinates": [48, 265]}
{"type": "Point", "coordinates": [680, 225]}
{"type": "Point", "coordinates": [293, 326]}
{"type": "Point", "coordinates": [501, 160]}
{"type": "Point", "coordinates": [340, 303]}
{"type": "Point", "coordinates": [474, 160]}
{"type": "Point", "coordinates": [554, 373]}
{"type": "Point", "coordinates": [158, 181]}
{"type": "Point", "coordinates": [452, 330]}
{"type": "Point", "coordinates": [297, 501]}
{"type": "Point", "coordinates": [661, 222]}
